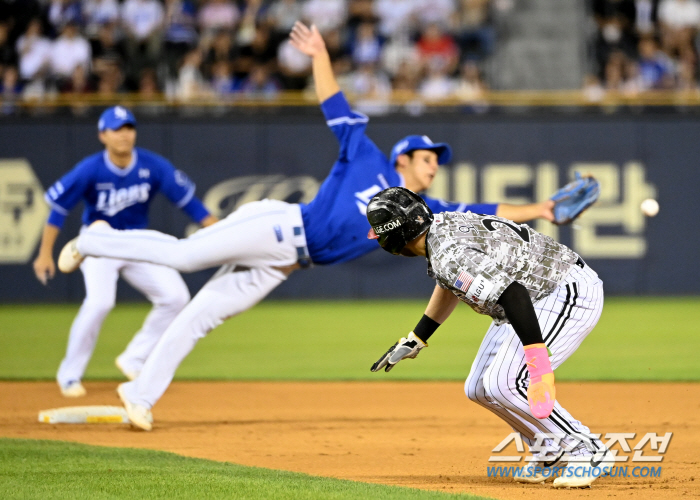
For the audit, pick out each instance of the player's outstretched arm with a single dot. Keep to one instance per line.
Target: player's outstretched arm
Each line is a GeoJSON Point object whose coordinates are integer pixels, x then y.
{"type": "Point", "coordinates": [441, 305]}
{"type": "Point", "coordinates": [44, 266]}
{"type": "Point", "coordinates": [310, 42]}
{"type": "Point", "coordinates": [524, 213]}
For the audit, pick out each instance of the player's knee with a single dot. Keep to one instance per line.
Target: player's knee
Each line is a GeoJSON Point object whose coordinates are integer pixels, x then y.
{"type": "Point", "coordinates": [470, 389]}
{"type": "Point", "coordinates": [176, 298]}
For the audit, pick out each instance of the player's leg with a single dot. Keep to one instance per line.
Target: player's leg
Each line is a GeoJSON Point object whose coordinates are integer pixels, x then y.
{"type": "Point", "coordinates": [226, 294]}
{"type": "Point", "coordinates": [100, 276]}
{"type": "Point", "coordinates": [474, 385]}
{"type": "Point", "coordinates": [566, 317]}
{"type": "Point", "coordinates": [252, 236]}
{"type": "Point", "coordinates": [168, 293]}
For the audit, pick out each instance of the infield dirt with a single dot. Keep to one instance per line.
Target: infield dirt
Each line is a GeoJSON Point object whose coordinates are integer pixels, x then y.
{"type": "Point", "coordinates": [417, 434]}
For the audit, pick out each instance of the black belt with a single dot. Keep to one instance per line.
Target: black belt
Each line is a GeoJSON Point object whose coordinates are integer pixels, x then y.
{"type": "Point", "coordinates": [580, 263]}
{"type": "Point", "coordinates": [303, 258]}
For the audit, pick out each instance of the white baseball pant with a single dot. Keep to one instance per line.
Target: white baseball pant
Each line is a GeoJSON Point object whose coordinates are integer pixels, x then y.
{"type": "Point", "coordinates": [498, 379]}
{"type": "Point", "coordinates": [253, 242]}
{"type": "Point", "coordinates": [162, 285]}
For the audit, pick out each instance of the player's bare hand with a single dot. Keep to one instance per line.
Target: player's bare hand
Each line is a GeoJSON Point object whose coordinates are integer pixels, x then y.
{"type": "Point", "coordinates": [307, 40]}
{"type": "Point", "coordinates": [407, 347]}
{"type": "Point", "coordinates": [547, 210]}
{"type": "Point", "coordinates": [44, 268]}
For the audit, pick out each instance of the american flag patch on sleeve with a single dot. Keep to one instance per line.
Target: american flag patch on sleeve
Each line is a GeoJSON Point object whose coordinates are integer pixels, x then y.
{"type": "Point", "coordinates": [463, 281]}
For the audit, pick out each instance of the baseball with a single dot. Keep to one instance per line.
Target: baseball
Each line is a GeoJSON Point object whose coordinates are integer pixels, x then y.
{"type": "Point", "coordinates": [650, 207]}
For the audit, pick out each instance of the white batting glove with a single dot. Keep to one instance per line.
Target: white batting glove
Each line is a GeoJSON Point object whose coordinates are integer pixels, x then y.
{"type": "Point", "coordinates": [406, 347]}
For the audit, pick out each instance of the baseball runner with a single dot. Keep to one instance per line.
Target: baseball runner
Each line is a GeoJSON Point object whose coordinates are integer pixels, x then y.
{"type": "Point", "coordinates": [541, 296]}
{"type": "Point", "coordinates": [117, 186]}
{"type": "Point", "coordinates": [261, 243]}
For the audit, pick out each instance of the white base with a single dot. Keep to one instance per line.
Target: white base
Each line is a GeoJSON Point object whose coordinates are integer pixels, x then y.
{"type": "Point", "coordinates": [85, 415]}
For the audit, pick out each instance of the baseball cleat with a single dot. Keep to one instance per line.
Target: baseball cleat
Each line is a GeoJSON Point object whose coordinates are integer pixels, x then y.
{"type": "Point", "coordinates": [581, 472]}
{"type": "Point", "coordinates": [130, 374]}
{"type": "Point", "coordinates": [73, 389]}
{"type": "Point", "coordinates": [139, 416]}
{"type": "Point", "coordinates": [539, 469]}
{"type": "Point", "coordinates": [70, 259]}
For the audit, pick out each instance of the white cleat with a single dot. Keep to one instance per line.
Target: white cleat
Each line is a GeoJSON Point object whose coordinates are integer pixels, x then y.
{"type": "Point", "coordinates": [70, 259]}
{"type": "Point", "coordinates": [540, 469]}
{"type": "Point", "coordinates": [130, 374]}
{"type": "Point", "coordinates": [581, 474]}
{"type": "Point", "coordinates": [139, 416]}
{"type": "Point", "coordinates": [73, 389]}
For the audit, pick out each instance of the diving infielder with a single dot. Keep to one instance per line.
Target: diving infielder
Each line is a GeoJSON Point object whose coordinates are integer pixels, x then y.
{"type": "Point", "coordinates": [540, 294]}
{"type": "Point", "coordinates": [117, 186]}
{"type": "Point", "coordinates": [261, 243]}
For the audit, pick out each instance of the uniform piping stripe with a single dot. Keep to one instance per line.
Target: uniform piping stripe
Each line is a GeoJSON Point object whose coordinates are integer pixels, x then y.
{"type": "Point", "coordinates": [571, 308]}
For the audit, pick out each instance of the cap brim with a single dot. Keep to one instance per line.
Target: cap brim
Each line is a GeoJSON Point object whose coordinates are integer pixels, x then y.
{"type": "Point", "coordinates": [444, 152]}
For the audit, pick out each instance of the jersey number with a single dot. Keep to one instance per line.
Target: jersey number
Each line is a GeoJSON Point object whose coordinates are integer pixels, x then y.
{"type": "Point", "coordinates": [519, 230]}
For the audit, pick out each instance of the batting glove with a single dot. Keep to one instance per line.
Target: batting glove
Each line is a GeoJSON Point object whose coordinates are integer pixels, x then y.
{"type": "Point", "coordinates": [406, 347]}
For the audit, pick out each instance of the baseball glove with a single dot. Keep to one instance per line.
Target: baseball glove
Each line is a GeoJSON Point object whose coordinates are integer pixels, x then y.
{"type": "Point", "coordinates": [571, 200]}
{"type": "Point", "coordinates": [404, 348]}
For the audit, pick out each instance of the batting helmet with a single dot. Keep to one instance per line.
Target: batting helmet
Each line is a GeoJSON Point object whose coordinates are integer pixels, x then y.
{"type": "Point", "coordinates": [397, 216]}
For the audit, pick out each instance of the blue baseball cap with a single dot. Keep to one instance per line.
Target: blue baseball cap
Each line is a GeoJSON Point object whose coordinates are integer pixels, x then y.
{"type": "Point", "coordinates": [413, 142]}
{"type": "Point", "coordinates": [115, 118]}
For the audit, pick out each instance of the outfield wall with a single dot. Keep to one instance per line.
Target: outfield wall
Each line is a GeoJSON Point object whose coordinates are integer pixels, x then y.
{"type": "Point", "coordinates": [496, 158]}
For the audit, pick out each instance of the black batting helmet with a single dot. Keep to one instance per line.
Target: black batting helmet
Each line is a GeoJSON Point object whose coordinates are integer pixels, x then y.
{"type": "Point", "coordinates": [397, 216]}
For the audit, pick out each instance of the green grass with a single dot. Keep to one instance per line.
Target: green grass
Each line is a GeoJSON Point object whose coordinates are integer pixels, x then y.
{"type": "Point", "coordinates": [636, 339]}
{"type": "Point", "coordinates": [53, 470]}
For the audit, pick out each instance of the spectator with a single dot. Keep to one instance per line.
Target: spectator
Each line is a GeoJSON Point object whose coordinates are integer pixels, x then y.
{"type": "Point", "coordinates": [260, 83]}
{"type": "Point", "coordinates": [338, 52]}
{"type": "Point", "coordinates": [294, 67]}
{"type": "Point", "coordinates": [62, 12]}
{"type": "Point", "coordinates": [191, 83]}
{"type": "Point", "coordinates": [372, 89]}
{"type": "Point", "coordinates": [8, 56]}
{"type": "Point", "coordinates": [142, 21]}
{"type": "Point", "coordinates": [366, 45]}
{"type": "Point", "coordinates": [654, 66]}
{"type": "Point", "coordinates": [437, 85]}
{"type": "Point", "coordinates": [97, 13]}
{"type": "Point", "coordinates": [222, 81]}
{"type": "Point", "coordinates": [475, 32]}
{"type": "Point", "coordinates": [69, 51]}
{"type": "Point", "coordinates": [440, 12]}
{"type": "Point", "coordinates": [360, 11]}
{"type": "Point", "coordinates": [406, 78]}
{"type": "Point", "coordinates": [396, 17]}
{"type": "Point", "coordinates": [34, 52]}
{"type": "Point", "coordinates": [438, 50]}
{"type": "Point", "coordinates": [106, 48]}
{"type": "Point", "coordinates": [615, 71]}
{"type": "Point", "coordinates": [179, 32]}
{"type": "Point", "coordinates": [615, 20]}
{"type": "Point", "coordinates": [149, 93]}
{"type": "Point", "coordinates": [10, 90]}
{"type": "Point", "coordinates": [281, 16]}
{"type": "Point", "coordinates": [398, 52]}
{"type": "Point", "coordinates": [78, 85]}
{"type": "Point", "coordinates": [217, 15]}
{"type": "Point", "coordinates": [221, 49]}
{"type": "Point", "coordinates": [260, 50]}
{"type": "Point", "coordinates": [110, 81]}
{"type": "Point", "coordinates": [252, 15]}
{"type": "Point", "coordinates": [327, 15]}
{"type": "Point", "coordinates": [679, 21]}
{"type": "Point", "coordinates": [470, 87]}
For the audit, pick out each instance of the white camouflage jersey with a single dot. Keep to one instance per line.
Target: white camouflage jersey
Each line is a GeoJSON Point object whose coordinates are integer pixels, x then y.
{"type": "Point", "coordinates": [477, 257]}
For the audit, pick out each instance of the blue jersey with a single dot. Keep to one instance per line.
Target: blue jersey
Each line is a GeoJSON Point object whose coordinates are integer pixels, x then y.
{"type": "Point", "coordinates": [335, 221]}
{"type": "Point", "coordinates": [121, 196]}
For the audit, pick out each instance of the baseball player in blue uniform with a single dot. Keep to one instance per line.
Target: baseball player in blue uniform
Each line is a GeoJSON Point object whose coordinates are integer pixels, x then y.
{"type": "Point", "coordinates": [117, 186]}
{"type": "Point", "coordinates": [262, 242]}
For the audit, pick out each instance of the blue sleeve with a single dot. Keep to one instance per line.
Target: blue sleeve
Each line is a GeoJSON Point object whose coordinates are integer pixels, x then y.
{"type": "Point", "coordinates": [56, 219]}
{"type": "Point", "coordinates": [68, 190]}
{"type": "Point", "coordinates": [347, 125]}
{"type": "Point", "coordinates": [437, 206]}
{"type": "Point", "coordinates": [196, 210]}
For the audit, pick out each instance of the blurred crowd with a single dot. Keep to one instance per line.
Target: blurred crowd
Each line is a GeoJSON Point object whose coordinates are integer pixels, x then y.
{"type": "Point", "coordinates": [644, 45]}
{"type": "Point", "coordinates": [190, 49]}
